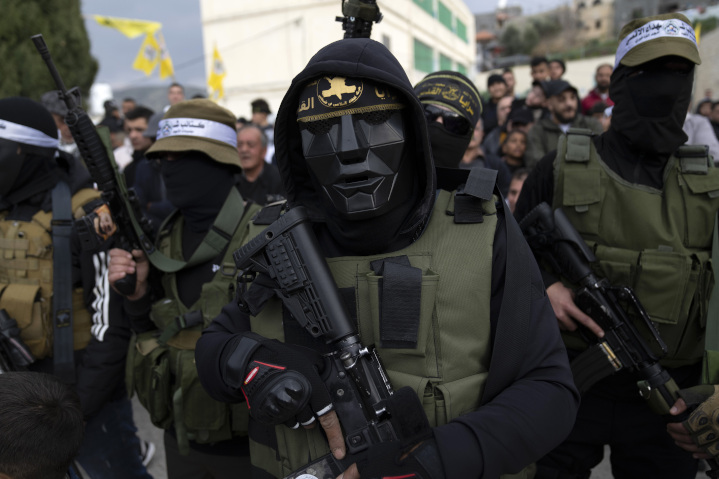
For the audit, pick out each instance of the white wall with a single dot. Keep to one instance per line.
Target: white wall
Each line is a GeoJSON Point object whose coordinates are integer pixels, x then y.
{"type": "Point", "coordinates": [265, 44]}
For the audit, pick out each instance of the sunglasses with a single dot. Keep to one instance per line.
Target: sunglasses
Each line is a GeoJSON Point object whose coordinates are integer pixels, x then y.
{"type": "Point", "coordinates": [453, 122]}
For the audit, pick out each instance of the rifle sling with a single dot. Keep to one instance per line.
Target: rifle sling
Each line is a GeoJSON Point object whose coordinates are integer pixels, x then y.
{"type": "Point", "coordinates": [63, 358]}
{"type": "Point", "coordinates": [214, 243]}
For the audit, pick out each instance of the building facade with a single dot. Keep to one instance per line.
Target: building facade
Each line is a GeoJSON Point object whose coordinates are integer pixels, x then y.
{"type": "Point", "coordinates": [264, 44]}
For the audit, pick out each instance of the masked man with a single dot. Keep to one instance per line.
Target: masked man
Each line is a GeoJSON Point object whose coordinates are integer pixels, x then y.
{"type": "Point", "coordinates": [646, 206]}
{"type": "Point", "coordinates": [353, 149]}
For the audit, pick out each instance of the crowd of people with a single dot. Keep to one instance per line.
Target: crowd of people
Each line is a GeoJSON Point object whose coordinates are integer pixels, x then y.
{"type": "Point", "coordinates": [414, 196]}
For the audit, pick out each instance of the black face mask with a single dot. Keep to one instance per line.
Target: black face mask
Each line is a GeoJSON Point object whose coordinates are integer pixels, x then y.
{"type": "Point", "coordinates": [198, 186]}
{"type": "Point", "coordinates": [447, 147]}
{"type": "Point", "coordinates": [650, 105]}
{"type": "Point", "coordinates": [26, 171]}
{"type": "Point", "coordinates": [359, 163]}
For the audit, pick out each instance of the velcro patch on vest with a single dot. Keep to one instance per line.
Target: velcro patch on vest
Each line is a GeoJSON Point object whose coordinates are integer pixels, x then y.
{"type": "Point", "coordinates": [269, 214]}
{"type": "Point", "coordinates": [400, 293]}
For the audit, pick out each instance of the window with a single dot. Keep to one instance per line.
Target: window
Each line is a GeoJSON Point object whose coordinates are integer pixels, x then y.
{"type": "Point", "coordinates": [426, 5]}
{"type": "Point", "coordinates": [598, 24]}
{"type": "Point", "coordinates": [445, 63]}
{"type": "Point", "coordinates": [445, 16]}
{"type": "Point", "coordinates": [461, 30]}
{"type": "Point", "coordinates": [461, 69]}
{"type": "Point", "coordinates": [423, 54]}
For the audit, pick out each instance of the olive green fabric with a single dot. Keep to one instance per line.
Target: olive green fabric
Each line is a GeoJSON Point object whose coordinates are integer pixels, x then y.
{"type": "Point", "coordinates": [201, 109]}
{"type": "Point", "coordinates": [26, 279]}
{"type": "Point", "coordinates": [163, 373]}
{"type": "Point", "coordinates": [658, 47]}
{"type": "Point", "coordinates": [449, 366]}
{"type": "Point", "coordinates": [657, 242]}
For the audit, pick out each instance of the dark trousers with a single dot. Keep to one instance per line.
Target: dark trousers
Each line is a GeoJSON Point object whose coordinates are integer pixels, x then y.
{"type": "Point", "coordinates": [202, 465]}
{"type": "Point", "coordinates": [110, 448]}
{"type": "Point", "coordinates": [640, 446]}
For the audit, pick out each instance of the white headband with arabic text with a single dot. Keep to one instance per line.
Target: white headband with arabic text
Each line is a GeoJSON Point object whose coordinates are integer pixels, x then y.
{"type": "Point", "coordinates": [671, 28]}
{"type": "Point", "coordinates": [24, 134]}
{"type": "Point", "coordinates": [197, 127]}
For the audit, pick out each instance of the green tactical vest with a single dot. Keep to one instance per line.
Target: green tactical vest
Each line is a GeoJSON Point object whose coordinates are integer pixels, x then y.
{"type": "Point", "coordinates": [26, 279]}
{"type": "Point", "coordinates": [657, 242]}
{"type": "Point", "coordinates": [448, 370]}
{"type": "Point", "coordinates": [161, 364]}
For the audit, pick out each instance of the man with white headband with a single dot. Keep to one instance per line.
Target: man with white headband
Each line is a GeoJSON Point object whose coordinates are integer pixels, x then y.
{"type": "Point", "coordinates": [645, 203]}
{"type": "Point", "coordinates": [197, 147]}
{"type": "Point", "coordinates": [54, 289]}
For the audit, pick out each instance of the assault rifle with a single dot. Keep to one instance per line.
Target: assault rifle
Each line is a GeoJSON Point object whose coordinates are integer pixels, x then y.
{"type": "Point", "coordinates": [134, 230]}
{"type": "Point", "coordinates": [553, 238]}
{"type": "Point", "coordinates": [287, 252]}
{"type": "Point", "coordinates": [14, 355]}
{"type": "Point", "coordinates": [359, 15]}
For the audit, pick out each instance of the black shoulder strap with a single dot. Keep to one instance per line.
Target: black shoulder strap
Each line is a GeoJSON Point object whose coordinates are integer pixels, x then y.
{"type": "Point", "coordinates": [512, 332]}
{"type": "Point", "coordinates": [63, 359]}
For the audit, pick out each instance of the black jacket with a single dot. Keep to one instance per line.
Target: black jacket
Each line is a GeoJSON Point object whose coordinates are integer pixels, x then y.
{"type": "Point", "coordinates": [501, 436]}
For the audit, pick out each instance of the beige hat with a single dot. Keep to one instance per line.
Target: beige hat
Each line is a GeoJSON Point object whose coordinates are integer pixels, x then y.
{"type": "Point", "coordinates": [648, 38]}
{"type": "Point", "coordinates": [198, 125]}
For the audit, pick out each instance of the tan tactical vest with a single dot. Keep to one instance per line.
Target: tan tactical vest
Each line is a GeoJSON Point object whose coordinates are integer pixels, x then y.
{"type": "Point", "coordinates": [26, 279]}
{"type": "Point", "coordinates": [449, 366]}
{"type": "Point", "coordinates": [161, 364]}
{"type": "Point", "coordinates": [658, 242]}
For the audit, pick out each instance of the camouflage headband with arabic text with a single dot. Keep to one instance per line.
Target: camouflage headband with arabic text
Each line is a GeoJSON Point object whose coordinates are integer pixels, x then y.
{"type": "Point", "coordinates": [333, 96]}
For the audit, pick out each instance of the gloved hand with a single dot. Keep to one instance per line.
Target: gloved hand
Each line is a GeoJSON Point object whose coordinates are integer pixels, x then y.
{"type": "Point", "coordinates": [414, 454]}
{"type": "Point", "coordinates": [703, 422]}
{"type": "Point", "coordinates": [282, 383]}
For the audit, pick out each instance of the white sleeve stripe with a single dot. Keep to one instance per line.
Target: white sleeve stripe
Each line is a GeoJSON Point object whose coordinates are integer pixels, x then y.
{"type": "Point", "coordinates": [101, 300]}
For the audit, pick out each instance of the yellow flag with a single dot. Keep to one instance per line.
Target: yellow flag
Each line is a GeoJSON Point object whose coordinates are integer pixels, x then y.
{"type": "Point", "coordinates": [166, 68]}
{"type": "Point", "coordinates": [148, 56]}
{"type": "Point", "coordinates": [128, 27]}
{"type": "Point", "coordinates": [698, 32]}
{"type": "Point", "coordinates": [217, 74]}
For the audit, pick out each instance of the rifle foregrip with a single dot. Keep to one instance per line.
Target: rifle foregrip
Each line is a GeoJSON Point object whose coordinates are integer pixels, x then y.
{"type": "Point", "coordinates": [126, 286]}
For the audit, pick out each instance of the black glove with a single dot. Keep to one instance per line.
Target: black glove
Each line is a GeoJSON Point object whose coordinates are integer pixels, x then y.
{"type": "Point", "coordinates": [282, 383]}
{"type": "Point", "coordinates": [414, 454]}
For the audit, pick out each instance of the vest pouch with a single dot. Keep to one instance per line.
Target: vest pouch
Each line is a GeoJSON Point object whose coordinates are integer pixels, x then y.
{"type": "Point", "coordinates": [164, 312]}
{"type": "Point", "coordinates": [459, 397]}
{"type": "Point", "coordinates": [698, 206]}
{"type": "Point", "coordinates": [24, 303]}
{"type": "Point", "coordinates": [205, 419]}
{"type": "Point", "coordinates": [699, 308]}
{"type": "Point", "coordinates": [405, 360]}
{"type": "Point", "coordinates": [669, 273]}
{"type": "Point", "coordinates": [618, 265]}
{"type": "Point", "coordinates": [151, 378]}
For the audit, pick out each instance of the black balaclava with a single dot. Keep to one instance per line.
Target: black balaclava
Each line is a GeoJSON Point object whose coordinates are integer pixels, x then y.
{"type": "Point", "coordinates": [28, 142]}
{"type": "Point", "coordinates": [650, 105]}
{"type": "Point", "coordinates": [197, 186]}
{"type": "Point", "coordinates": [456, 92]}
{"type": "Point", "coordinates": [447, 147]}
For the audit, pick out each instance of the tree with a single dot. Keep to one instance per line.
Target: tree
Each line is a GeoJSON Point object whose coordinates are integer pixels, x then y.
{"type": "Point", "coordinates": [22, 70]}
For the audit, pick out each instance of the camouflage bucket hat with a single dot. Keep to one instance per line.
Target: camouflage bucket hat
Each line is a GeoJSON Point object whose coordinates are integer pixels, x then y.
{"type": "Point", "coordinates": [646, 39]}
{"type": "Point", "coordinates": [198, 125]}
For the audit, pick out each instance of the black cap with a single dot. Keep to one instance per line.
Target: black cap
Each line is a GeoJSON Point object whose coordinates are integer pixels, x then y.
{"type": "Point", "coordinates": [557, 87]}
{"type": "Point", "coordinates": [521, 116]}
{"type": "Point", "coordinates": [541, 84]}
{"type": "Point", "coordinates": [260, 106]}
{"type": "Point", "coordinates": [495, 78]}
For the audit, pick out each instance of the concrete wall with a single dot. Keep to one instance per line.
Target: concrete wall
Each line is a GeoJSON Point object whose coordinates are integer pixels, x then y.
{"type": "Point", "coordinates": [265, 44]}
{"type": "Point", "coordinates": [707, 74]}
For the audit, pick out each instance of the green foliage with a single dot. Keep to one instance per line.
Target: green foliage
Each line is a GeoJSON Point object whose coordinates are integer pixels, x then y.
{"type": "Point", "coordinates": [22, 70]}
{"type": "Point", "coordinates": [593, 48]}
{"type": "Point", "coordinates": [708, 24]}
{"type": "Point", "coordinates": [523, 42]}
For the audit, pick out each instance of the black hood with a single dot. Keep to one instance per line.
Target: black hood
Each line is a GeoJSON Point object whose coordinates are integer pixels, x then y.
{"type": "Point", "coordinates": [355, 58]}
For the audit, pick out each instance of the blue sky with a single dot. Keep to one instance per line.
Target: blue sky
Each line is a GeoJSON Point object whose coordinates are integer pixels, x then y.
{"type": "Point", "coordinates": [183, 35]}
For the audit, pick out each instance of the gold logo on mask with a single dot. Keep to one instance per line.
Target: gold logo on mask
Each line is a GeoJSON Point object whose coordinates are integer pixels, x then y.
{"type": "Point", "coordinates": [336, 92]}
